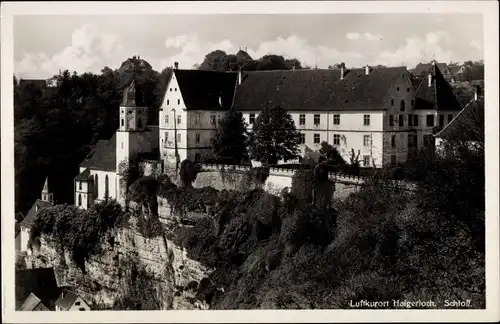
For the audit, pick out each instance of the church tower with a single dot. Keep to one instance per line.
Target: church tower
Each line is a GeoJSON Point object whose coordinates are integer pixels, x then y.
{"type": "Point", "coordinates": [46, 194]}
{"type": "Point", "coordinates": [133, 135]}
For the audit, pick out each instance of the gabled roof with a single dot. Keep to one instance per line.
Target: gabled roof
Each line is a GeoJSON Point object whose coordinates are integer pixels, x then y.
{"type": "Point", "coordinates": [30, 216]}
{"type": "Point", "coordinates": [66, 299]}
{"type": "Point", "coordinates": [84, 176]}
{"type": "Point", "coordinates": [41, 282]}
{"type": "Point", "coordinates": [201, 89]}
{"type": "Point", "coordinates": [316, 89]}
{"type": "Point", "coordinates": [437, 96]}
{"type": "Point", "coordinates": [31, 303]}
{"type": "Point", "coordinates": [423, 68]}
{"type": "Point", "coordinates": [468, 124]}
{"type": "Point", "coordinates": [103, 156]}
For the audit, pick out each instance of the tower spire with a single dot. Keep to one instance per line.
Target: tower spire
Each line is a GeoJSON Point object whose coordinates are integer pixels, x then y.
{"type": "Point", "coordinates": [46, 194]}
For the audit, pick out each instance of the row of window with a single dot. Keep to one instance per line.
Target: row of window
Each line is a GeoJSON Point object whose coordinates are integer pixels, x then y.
{"type": "Point", "coordinates": [214, 119]}
{"type": "Point", "coordinates": [402, 104]}
{"type": "Point", "coordinates": [317, 119]}
{"type": "Point", "coordinates": [413, 120]}
{"type": "Point", "coordinates": [178, 102]}
{"type": "Point", "coordinates": [197, 137]}
{"type": "Point", "coordinates": [367, 140]}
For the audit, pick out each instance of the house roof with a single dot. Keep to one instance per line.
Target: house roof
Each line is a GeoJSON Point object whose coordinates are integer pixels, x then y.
{"type": "Point", "coordinates": [103, 156]}
{"type": "Point", "coordinates": [66, 299]}
{"type": "Point", "coordinates": [30, 216]}
{"type": "Point", "coordinates": [201, 89]}
{"type": "Point", "coordinates": [19, 217]}
{"type": "Point", "coordinates": [438, 96]}
{"type": "Point", "coordinates": [84, 176]}
{"type": "Point", "coordinates": [39, 281]}
{"type": "Point", "coordinates": [468, 124]}
{"type": "Point", "coordinates": [133, 96]}
{"type": "Point", "coordinates": [423, 68]}
{"type": "Point", "coordinates": [31, 303]}
{"type": "Point", "coordinates": [316, 89]}
{"type": "Point", "coordinates": [454, 69]}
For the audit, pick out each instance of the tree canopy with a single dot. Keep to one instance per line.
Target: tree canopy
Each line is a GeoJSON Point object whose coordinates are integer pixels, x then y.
{"type": "Point", "coordinates": [274, 137]}
{"type": "Point", "coordinates": [230, 139]}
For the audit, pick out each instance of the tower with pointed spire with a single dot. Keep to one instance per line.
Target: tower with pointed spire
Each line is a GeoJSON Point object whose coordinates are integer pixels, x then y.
{"type": "Point", "coordinates": [47, 195]}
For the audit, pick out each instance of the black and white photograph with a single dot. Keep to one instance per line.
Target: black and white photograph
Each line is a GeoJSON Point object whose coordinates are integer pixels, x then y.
{"type": "Point", "coordinates": [249, 156]}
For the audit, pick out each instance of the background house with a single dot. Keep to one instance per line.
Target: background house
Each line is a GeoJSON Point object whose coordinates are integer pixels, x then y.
{"type": "Point", "coordinates": [36, 289]}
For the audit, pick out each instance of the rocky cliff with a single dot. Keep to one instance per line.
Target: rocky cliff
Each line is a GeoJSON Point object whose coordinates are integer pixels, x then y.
{"type": "Point", "coordinates": [175, 276]}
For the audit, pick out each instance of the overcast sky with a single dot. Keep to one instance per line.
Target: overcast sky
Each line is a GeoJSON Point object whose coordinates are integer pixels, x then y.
{"type": "Point", "coordinates": [45, 44]}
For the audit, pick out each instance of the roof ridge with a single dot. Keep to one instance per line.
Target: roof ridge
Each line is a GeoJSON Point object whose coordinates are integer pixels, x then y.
{"type": "Point", "coordinates": [459, 113]}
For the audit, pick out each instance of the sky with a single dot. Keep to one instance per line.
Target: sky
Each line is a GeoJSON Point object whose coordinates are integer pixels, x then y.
{"type": "Point", "coordinates": [43, 45]}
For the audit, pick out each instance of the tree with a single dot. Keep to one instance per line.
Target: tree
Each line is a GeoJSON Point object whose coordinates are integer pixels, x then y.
{"type": "Point", "coordinates": [130, 170]}
{"type": "Point", "coordinates": [214, 61]}
{"type": "Point", "coordinates": [293, 63]}
{"type": "Point", "coordinates": [272, 62]}
{"type": "Point", "coordinates": [274, 137]}
{"type": "Point", "coordinates": [230, 139]}
{"type": "Point", "coordinates": [331, 156]}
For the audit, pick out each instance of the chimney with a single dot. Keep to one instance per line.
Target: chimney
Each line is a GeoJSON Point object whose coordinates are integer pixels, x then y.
{"type": "Point", "coordinates": [477, 92]}
{"type": "Point", "coordinates": [239, 76]}
{"type": "Point", "coordinates": [176, 65]}
{"type": "Point", "coordinates": [429, 79]}
{"type": "Point", "coordinates": [342, 70]}
{"type": "Point", "coordinates": [220, 100]}
{"type": "Point", "coordinates": [367, 70]}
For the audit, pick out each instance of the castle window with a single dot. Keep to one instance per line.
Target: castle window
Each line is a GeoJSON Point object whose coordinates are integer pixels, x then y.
{"type": "Point", "coordinates": [366, 120]}
{"type": "Point", "coordinates": [130, 112]}
{"type": "Point", "coordinates": [77, 303]}
{"type": "Point", "coordinates": [170, 89]}
{"type": "Point", "coordinates": [430, 120]}
{"type": "Point", "coordinates": [407, 89]}
{"type": "Point", "coordinates": [401, 120]}
{"type": "Point", "coordinates": [412, 103]}
{"type": "Point", "coordinates": [415, 120]}
{"type": "Point", "coordinates": [393, 141]}
{"type": "Point", "coordinates": [178, 119]}
{"type": "Point", "coordinates": [139, 123]}
{"type": "Point", "coordinates": [175, 89]}
{"type": "Point", "coordinates": [316, 119]}
{"type": "Point", "coordinates": [336, 119]}
{"type": "Point", "coordinates": [302, 119]}
{"type": "Point", "coordinates": [79, 185]}
{"type": "Point", "coordinates": [106, 186]}
{"type": "Point", "coordinates": [168, 102]}
{"type": "Point", "coordinates": [402, 105]}
{"type": "Point", "coordinates": [79, 199]}
{"type": "Point", "coordinates": [450, 117]}
{"type": "Point", "coordinates": [178, 138]}
{"type": "Point", "coordinates": [336, 139]}
{"type": "Point", "coordinates": [178, 101]}
{"type": "Point", "coordinates": [366, 140]}
{"type": "Point", "coordinates": [316, 138]}
{"type": "Point", "coordinates": [392, 102]}
{"type": "Point", "coordinates": [393, 159]}
{"type": "Point", "coordinates": [366, 160]}
{"type": "Point", "coordinates": [212, 119]}
{"type": "Point", "coordinates": [197, 157]}
{"type": "Point", "coordinates": [123, 122]}
{"type": "Point", "coordinates": [97, 185]}
{"type": "Point", "coordinates": [441, 120]}
{"type": "Point", "coordinates": [251, 118]}
{"type": "Point", "coordinates": [302, 138]}
{"type": "Point", "coordinates": [397, 88]}
{"type": "Point", "coordinates": [391, 120]}
{"type": "Point", "coordinates": [197, 137]}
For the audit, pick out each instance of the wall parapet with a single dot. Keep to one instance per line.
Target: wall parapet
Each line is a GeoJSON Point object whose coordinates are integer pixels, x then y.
{"type": "Point", "coordinates": [333, 176]}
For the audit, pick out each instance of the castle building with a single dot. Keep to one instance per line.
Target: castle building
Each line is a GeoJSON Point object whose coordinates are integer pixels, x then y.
{"type": "Point", "coordinates": [46, 200]}
{"type": "Point", "coordinates": [100, 172]}
{"type": "Point", "coordinates": [376, 112]}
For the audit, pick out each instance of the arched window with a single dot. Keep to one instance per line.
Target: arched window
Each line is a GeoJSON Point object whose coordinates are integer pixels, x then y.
{"type": "Point", "coordinates": [79, 199]}
{"type": "Point", "coordinates": [96, 187]}
{"type": "Point", "coordinates": [402, 105]}
{"type": "Point", "coordinates": [106, 186]}
{"type": "Point", "coordinates": [139, 123]}
{"type": "Point", "coordinates": [123, 122]}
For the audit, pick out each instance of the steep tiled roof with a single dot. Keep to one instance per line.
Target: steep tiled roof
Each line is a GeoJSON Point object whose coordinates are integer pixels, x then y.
{"type": "Point", "coordinates": [84, 176]}
{"type": "Point", "coordinates": [423, 68]}
{"type": "Point", "coordinates": [468, 124]}
{"type": "Point", "coordinates": [30, 217]}
{"type": "Point", "coordinates": [31, 303]}
{"type": "Point", "coordinates": [66, 299]}
{"type": "Point", "coordinates": [103, 156]}
{"type": "Point", "coordinates": [202, 89]}
{"type": "Point", "coordinates": [133, 96]}
{"type": "Point", "coordinates": [316, 89]}
{"type": "Point", "coordinates": [438, 96]}
{"type": "Point", "coordinates": [41, 282]}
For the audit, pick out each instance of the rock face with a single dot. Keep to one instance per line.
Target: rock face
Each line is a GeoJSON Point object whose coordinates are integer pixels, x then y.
{"type": "Point", "coordinates": [177, 277]}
